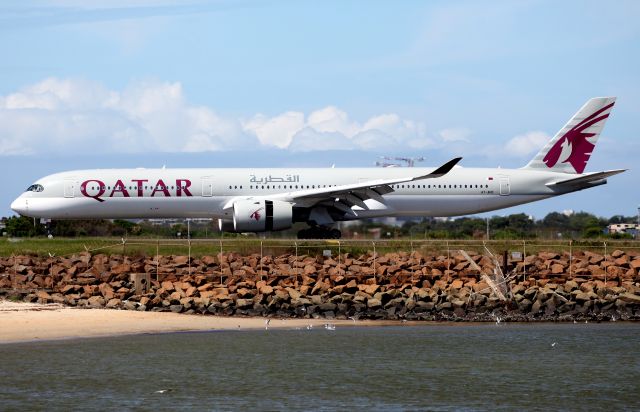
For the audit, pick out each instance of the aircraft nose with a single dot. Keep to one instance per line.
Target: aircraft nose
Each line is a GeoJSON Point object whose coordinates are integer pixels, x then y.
{"type": "Point", "coordinates": [19, 206]}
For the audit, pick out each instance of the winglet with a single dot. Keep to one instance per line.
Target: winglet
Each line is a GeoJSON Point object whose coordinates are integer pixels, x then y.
{"type": "Point", "coordinates": [441, 171]}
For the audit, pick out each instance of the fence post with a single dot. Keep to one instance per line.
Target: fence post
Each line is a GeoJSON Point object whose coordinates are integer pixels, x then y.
{"type": "Point", "coordinates": [189, 245]}
{"type": "Point", "coordinates": [375, 275]}
{"type": "Point", "coordinates": [15, 271]}
{"type": "Point", "coordinates": [524, 260]}
{"type": "Point", "coordinates": [570, 258]}
{"type": "Point", "coordinates": [605, 259]}
{"type": "Point", "coordinates": [157, 259]}
{"type": "Point", "coordinates": [448, 261]}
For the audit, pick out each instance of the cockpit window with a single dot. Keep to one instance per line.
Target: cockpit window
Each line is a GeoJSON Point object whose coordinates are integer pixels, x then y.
{"type": "Point", "coordinates": [35, 188]}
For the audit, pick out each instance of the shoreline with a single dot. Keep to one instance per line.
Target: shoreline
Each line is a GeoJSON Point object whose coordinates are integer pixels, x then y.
{"type": "Point", "coordinates": [31, 322]}
{"type": "Point", "coordinates": [23, 322]}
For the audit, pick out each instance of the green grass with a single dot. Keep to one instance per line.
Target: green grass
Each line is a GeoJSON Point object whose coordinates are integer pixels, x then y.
{"type": "Point", "coordinates": [201, 247]}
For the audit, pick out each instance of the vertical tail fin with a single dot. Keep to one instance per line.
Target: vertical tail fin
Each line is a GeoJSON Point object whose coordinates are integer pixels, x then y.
{"type": "Point", "coordinates": [571, 147]}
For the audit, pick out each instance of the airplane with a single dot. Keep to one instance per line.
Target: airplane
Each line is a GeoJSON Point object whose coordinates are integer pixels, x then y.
{"type": "Point", "coordinates": [264, 200]}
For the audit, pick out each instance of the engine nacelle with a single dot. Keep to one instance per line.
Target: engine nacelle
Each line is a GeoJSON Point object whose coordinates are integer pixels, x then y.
{"type": "Point", "coordinates": [226, 225]}
{"type": "Point", "coordinates": [262, 215]}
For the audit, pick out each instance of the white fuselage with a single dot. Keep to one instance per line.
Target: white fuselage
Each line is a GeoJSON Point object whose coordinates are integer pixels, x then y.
{"type": "Point", "coordinates": [206, 193]}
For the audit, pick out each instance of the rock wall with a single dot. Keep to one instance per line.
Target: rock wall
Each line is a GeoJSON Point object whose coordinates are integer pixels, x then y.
{"type": "Point", "coordinates": [546, 286]}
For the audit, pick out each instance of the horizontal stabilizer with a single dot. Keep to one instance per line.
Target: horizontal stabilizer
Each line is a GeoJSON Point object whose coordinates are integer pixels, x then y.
{"type": "Point", "coordinates": [587, 178]}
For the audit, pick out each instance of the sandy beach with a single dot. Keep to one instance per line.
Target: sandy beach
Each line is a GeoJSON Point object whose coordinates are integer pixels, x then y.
{"type": "Point", "coordinates": [32, 322]}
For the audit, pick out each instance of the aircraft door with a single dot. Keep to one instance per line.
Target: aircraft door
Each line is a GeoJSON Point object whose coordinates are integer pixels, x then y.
{"type": "Point", "coordinates": [69, 188]}
{"type": "Point", "coordinates": [207, 186]}
{"type": "Point", "coordinates": [505, 186]}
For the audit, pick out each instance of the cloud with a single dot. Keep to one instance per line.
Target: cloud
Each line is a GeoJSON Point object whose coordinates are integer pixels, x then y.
{"type": "Point", "coordinates": [330, 128]}
{"type": "Point", "coordinates": [309, 139]}
{"type": "Point", "coordinates": [58, 116]}
{"type": "Point", "coordinates": [527, 144]}
{"type": "Point", "coordinates": [61, 115]}
{"type": "Point", "coordinates": [455, 135]}
{"type": "Point", "coordinates": [276, 131]}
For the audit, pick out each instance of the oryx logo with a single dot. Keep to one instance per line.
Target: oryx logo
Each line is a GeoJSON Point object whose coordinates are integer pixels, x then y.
{"type": "Point", "coordinates": [256, 215]}
{"type": "Point", "coordinates": [574, 147]}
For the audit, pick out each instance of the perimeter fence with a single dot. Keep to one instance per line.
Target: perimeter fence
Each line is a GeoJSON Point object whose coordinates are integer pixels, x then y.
{"type": "Point", "coordinates": [275, 247]}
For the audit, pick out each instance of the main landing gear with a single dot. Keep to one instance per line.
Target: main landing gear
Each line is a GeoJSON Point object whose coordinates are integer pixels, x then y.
{"type": "Point", "coordinates": [319, 232]}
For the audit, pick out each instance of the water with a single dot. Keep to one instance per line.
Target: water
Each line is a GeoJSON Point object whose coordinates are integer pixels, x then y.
{"type": "Point", "coordinates": [431, 367]}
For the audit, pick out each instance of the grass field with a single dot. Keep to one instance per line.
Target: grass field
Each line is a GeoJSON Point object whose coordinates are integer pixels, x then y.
{"type": "Point", "coordinates": [201, 247]}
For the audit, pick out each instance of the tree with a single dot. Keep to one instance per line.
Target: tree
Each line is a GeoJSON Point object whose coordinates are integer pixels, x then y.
{"type": "Point", "coordinates": [23, 226]}
{"type": "Point", "coordinates": [556, 221]}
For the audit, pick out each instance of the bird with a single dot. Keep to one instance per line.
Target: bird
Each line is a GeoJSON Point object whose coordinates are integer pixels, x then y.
{"type": "Point", "coordinates": [163, 391]}
{"type": "Point", "coordinates": [553, 345]}
{"type": "Point", "coordinates": [266, 324]}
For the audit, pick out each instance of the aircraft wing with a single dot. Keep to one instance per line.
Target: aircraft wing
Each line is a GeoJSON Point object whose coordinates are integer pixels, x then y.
{"type": "Point", "coordinates": [586, 178]}
{"type": "Point", "coordinates": [343, 197]}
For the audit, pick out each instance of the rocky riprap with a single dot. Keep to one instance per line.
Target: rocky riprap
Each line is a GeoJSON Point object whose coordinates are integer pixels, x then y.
{"type": "Point", "coordinates": [547, 286]}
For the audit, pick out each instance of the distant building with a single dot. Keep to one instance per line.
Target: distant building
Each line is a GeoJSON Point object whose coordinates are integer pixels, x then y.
{"type": "Point", "coordinates": [630, 228]}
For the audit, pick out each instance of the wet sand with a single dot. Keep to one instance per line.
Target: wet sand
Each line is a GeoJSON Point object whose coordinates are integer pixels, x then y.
{"type": "Point", "coordinates": [33, 322]}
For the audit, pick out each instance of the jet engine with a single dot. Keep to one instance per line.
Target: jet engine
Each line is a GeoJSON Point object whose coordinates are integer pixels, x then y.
{"type": "Point", "coordinates": [225, 225]}
{"type": "Point", "coordinates": [262, 215]}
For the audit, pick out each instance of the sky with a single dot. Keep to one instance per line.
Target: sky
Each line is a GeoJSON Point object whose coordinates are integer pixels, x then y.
{"type": "Point", "coordinates": [152, 83]}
